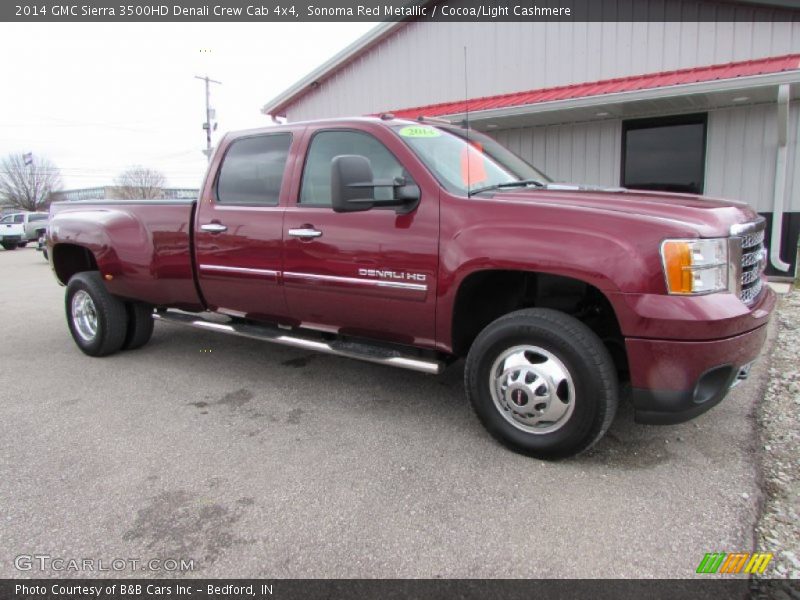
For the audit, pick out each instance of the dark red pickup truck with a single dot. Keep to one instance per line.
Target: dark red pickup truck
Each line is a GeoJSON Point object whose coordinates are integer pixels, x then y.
{"type": "Point", "coordinates": [413, 244]}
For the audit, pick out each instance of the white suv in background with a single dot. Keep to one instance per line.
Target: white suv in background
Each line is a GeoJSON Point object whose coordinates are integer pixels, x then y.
{"type": "Point", "coordinates": [17, 229]}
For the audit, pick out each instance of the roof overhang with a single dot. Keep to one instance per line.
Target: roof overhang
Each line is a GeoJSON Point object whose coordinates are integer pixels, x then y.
{"type": "Point", "coordinates": [692, 97]}
{"type": "Point", "coordinates": [693, 89]}
{"type": "Point", "coordinates": [278, 104]}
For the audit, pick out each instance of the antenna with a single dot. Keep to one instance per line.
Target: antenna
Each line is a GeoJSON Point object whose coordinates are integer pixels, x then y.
{"type": "Point", "coordinates": [466, 122]}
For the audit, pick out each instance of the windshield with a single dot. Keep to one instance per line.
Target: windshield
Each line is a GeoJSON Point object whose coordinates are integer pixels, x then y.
{"type": "Point", "coordinates": [463, 167]}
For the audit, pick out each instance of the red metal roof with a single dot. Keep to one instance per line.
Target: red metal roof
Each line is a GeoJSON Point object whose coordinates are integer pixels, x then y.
{"type": "Point", "coordinates": [776, 64]}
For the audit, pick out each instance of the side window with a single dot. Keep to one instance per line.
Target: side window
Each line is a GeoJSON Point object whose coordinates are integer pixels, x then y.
{"type": "Point", "coordinates": [252, 170]}
{"type": "Point", "coordinates": [19, 218]}
{"type": "Point", "coordinates": [316, 186]}
{"type": "Point", "coordinates": [37, 218]}
{"type": "Point", "coordinates": [7, 219]}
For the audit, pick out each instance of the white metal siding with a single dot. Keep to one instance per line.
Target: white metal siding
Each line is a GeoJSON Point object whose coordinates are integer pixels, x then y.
{"type": "Point", "coordinates": [741, 152]}
{"type": "Point", "coordinates": [423, 62]}
{"type": "Point", "coordinates": [575, 153]}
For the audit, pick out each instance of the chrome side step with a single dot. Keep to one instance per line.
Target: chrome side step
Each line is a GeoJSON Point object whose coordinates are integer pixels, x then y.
{"type": "Point", "coordinates": [267, 333]}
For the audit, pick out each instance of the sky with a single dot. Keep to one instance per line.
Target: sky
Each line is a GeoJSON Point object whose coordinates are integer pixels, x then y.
{"type": "Point", "coordinates": [96, 98]}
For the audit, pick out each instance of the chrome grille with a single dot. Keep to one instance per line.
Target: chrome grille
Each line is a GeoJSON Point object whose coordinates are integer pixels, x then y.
{"type": "Point", "coordinates": [749, 277]}
{"type": "Point", "coordinates": [750, 259]}
{"type": "Point", "coordinates": [751, 239]}
{"type": "Point", "coordinates": [750, 294]}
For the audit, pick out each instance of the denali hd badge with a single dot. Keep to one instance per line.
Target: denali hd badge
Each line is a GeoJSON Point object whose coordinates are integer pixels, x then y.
{"type": "Point", "coordinates": [396, 275]}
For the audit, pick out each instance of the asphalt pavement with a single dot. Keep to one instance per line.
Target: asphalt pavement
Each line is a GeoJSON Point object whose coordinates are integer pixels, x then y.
{"type": "Point", "coordinates": [254, 460]}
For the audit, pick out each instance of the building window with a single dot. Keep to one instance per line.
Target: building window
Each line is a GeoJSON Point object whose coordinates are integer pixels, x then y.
{"type": "Point", "coordinates": [666, 154]}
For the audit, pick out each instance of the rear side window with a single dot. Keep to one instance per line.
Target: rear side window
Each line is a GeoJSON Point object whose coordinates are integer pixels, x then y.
{"type": "Point", "coordinates": [326, 145]}
{"type": "Point", "coordinates": [33, 218]}
{"type": "Point", "coordinates": [252, 170]}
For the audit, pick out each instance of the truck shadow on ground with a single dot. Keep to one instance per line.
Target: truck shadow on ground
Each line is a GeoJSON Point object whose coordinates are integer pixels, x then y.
{"type": "Point", "coordinates": [388, 392]}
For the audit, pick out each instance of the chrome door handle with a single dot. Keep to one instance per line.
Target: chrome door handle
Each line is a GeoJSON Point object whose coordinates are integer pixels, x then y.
{"type": "Point", "coordinates": [214, 227]}
{"type": "Point", "coordinates": [306, 233]}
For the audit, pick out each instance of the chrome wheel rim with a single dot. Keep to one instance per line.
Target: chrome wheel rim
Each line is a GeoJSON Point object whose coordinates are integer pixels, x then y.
{"type": "Point", "coordinates": [532, 389]}
{"type": "Point", "coordinates": [84, 315]}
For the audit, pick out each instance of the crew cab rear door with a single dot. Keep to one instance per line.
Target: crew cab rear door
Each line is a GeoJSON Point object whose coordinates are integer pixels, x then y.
{"type": "Point", "coordinates": [368, 274]}
{"type": "Point", "coordinates": [238, 228]}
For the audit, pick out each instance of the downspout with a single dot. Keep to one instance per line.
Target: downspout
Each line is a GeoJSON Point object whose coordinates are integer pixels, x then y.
{"type": "Point", "coordinates": [780, 180]}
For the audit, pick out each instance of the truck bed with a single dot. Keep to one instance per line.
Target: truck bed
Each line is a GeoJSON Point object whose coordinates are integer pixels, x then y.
{"type": "Point", "coordinates": [142, 247]}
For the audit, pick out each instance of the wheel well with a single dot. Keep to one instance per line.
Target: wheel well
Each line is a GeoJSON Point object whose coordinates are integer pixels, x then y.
{"type": "Point", "coordinates": [487, 295]}
{"type": "Point", "coordinates": [69, 259]}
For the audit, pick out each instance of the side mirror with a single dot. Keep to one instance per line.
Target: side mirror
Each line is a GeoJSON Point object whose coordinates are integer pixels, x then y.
{"type": "Point", "coordinates": [353, 187]}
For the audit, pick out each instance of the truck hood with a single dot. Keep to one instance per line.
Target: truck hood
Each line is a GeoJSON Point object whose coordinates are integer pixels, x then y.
{"type": "Point", "coordinates": [704, 216]}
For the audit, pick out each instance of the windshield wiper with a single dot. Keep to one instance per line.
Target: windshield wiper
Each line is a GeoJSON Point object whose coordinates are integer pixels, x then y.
{"type": "Point", "coordinates": [507, 184]}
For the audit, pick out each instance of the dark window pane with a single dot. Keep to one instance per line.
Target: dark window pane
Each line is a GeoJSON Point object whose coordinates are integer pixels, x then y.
{"type": "Point", "coordinates": [665, 156]}
{"type": "Point", "coordinates": [252, 170]}
{"type": "Point", "coordinates": [326, 145]}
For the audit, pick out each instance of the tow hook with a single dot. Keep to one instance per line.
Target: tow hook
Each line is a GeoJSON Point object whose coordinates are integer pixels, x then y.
{"type": "Point", "coordinates": [744, 373]}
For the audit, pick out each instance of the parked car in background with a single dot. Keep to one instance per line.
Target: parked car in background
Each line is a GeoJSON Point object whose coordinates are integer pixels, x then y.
{"type": "Point", "coordinates": [11, 233]}
{"type": "Point", "coordinates": [33, 224]}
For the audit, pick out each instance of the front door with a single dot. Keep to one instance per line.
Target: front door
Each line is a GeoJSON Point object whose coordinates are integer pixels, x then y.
{"type": "Point", "coordinates": [238, 245]}
{"type": "Point", "coordinates": [366, 274]}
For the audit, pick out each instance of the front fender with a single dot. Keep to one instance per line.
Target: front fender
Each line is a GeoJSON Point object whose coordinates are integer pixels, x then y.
{"type": "Point", "coordinates": [611, 263]}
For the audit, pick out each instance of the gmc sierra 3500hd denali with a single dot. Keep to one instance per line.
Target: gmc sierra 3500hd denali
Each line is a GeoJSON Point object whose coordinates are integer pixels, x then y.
{"type": "Point", "coordinates": [413, 244]}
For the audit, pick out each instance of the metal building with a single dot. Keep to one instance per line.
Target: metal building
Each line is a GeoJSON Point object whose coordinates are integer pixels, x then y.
{"type": "Point", "coordinates": [708, 107]}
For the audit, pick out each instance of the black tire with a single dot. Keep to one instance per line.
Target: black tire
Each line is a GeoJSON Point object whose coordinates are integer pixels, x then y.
{"type": "Point", "coordinates": [140, 325]}
{"type": "Point", "coordinates": [110, 317]}
{"type": "Point", "coordinates": [575, 350]}
{"type": "Point", "coordinates": [9, 245]}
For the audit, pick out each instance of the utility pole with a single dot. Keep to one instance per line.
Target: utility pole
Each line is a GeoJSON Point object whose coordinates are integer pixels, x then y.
{"type": "Point", "coordinates": [27, 158]}
{"type": "Point", "coordinates": [207, 124]}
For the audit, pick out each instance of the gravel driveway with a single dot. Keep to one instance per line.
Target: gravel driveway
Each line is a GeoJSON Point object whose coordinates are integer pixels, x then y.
{"type": "Point", "coordinates": [254, 460]}
{"type": "Point", "coordinates": [779, 423]}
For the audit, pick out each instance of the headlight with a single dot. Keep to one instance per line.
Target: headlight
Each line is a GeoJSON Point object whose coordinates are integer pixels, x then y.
{"type": "Point", "coordinates": [695, 266]}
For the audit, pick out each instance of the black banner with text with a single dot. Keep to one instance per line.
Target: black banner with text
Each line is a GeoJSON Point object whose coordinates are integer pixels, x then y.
{"type": "Point", "coordinates": [395, 10]}
{"type": "Point", "coordinates": [384, 589]}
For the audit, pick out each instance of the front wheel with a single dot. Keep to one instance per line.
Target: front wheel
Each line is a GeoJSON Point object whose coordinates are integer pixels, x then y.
{"type": "Point", "coordinates": [97, 320]}
{"type": "Point", "coordinates": [9, 245]}
{"type": "Point", "coordinates": [542, 383]}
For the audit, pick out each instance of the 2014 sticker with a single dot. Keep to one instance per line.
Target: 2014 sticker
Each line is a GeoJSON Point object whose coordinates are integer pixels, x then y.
{"type": "Point", "coordinates": [417, 131]}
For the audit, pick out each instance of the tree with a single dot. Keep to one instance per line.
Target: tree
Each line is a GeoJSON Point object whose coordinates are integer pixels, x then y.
{"type": "Point", "coordinates": [139, 182]}
{"type": "Point", "coordinates": [27, 182]}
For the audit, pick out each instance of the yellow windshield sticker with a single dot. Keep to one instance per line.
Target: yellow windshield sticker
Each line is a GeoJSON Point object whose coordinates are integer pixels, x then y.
{"type": "Point", "coordinates": [419, 131]}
